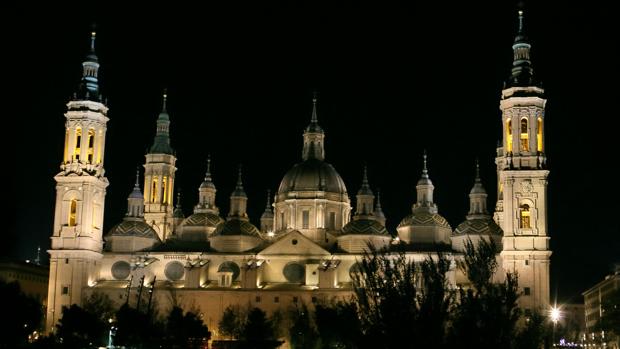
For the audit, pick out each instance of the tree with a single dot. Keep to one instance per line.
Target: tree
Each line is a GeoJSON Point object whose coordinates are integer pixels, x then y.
{"type": "Point", "coordinates": [100, 305]}
{"type": "Point", "coordinates": [338, 326]}
{"type": "Point", "coordinates": [24, 315]}
{"type": "Point", "coordinates": [399, 302]}
{"type": "Point", "coordinates": [136, 329]}
{"type": "Point", "coordinates": [486, 314]}
{"type": "Point", "coordinates": [231, 323]}
{"type": "Point", "coordinates": [185, 330]}
{"type": "Point", "coordinates": [302, 333]}
{"type": "Point", "coordinates": [77, 328]}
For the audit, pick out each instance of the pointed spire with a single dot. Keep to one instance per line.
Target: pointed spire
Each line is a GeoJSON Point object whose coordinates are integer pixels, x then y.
{"type": "Point", "coordinates": [522, 71]}
{"type": "Point", "coordinates": [424, 169]}
{"type": "Point", "coordinates": [136, 193]}
{"type": "Point", "coordinates": [208, 181]}
{"type": "Point", "coordinates": [424, 190]}
{"type": "Point", "coordinates": [365, 188]}
{"type": "Point", "coordinates": [477, 196]}
{"type": "Point", "coordinates": [314, 127]}
{"type": "Point", "coordinates": [379, 215]}
{"type": "Point", "coordinates": [178, 211]}
{"type": "Point", "coordinates": [161, 144]}
{"type": "Point", "coordinates": [37, 260]}
{"type": "Point", "coordinates": [88, 88]}
{"type": "Point", "coordinates": [268, 205]}
{"type": "Point", "coordinates": [239, 191]}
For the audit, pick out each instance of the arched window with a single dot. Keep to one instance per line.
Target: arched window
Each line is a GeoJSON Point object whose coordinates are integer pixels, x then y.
{"type": "Point", "coordinates": [509, 136]}
{"type": "Point", "coordinates": [72, 212]}
{"type": "Point", "coordinates": [525, 139]}
{"type": "Point", "coordinates": [539, 134]}
{"type": "Point", "coordinates": [78, 144]}
{"type": "Point", "coordinates": [164, 189]}
{"type": "Point", "coordinates": [154, 190]}
{"type": "Point", "coordinates": [91, 145]}
{"type": "Point", "coordinates": [99, 147]}
{"type": "Point", "coordinates": [282, 221]}
{"type": "Point", "coordinates": [524, 213]}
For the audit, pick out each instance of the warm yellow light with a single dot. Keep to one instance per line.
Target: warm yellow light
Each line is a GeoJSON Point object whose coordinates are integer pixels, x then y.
{"type": "Point", "coordinates": [555, 314]}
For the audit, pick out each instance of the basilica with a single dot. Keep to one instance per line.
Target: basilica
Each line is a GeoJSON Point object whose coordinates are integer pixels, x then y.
{"type": "Point", "coordinates": [310, 237]}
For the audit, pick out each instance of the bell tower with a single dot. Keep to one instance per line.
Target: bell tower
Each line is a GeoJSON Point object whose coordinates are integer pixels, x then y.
{"type": "Point", "coordinates": [521, 209]}
{"type": "Point", "coordinates": [80, 193]}
{"type": "Point", "coordinates": [159, 171]}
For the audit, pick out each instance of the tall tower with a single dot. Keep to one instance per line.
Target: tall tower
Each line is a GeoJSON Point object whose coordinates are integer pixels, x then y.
{"type": "Point", "coordinates": [159, 172]}
{"type": "Point", "coordinates": [80, 193]}
{"type": "Point", "coordinates": [521, 209]}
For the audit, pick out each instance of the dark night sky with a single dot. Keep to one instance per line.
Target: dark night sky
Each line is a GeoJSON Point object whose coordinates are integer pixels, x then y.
{"type": "Point", "coordinates": [391, 82]}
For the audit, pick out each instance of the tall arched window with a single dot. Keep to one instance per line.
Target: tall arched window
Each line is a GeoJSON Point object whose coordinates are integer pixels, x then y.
{"type": "Point", "coordinates": [539, 133]}
{"type": "Point", "coordinates": [91, 146]}
{"type": "Point", "coordinates": [524, 213]}
{"type": "Point", "coordinates": [509, 136]}
{"type": "Point", "coordinates": [164, 189]}
{"type": "Point", "coordinates": [78, 144]}
{"type": "Point", "coordinates": [525, 139]}
{"type": "Point", "coordinates": [73, 212]}
{"type": "Point", "coordinates": [99, 146]}
{"type": "Point", "coordinates": [154, 190]}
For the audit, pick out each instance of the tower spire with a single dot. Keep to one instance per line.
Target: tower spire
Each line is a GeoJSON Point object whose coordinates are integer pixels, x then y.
{"type": "Point", "coordinates": [424, 168]}
{"type": "Point", "coordinates": [379, 215]}
{"type": "Point", "coordinates": [161, 144]}
{"type": "Point", "coordinates": [522, 74]}
{"type": "Point", "coordinates": [425, 190]}
{"type": "Point", "coordinates": [135, 201]}
{"type": "Point", "coordinates": [206, 193]}
{"type": "Point", "coordinates": [89, 85]}
{"type": "Point", "coordinates": [238, 199]}
{"type": "Point", "coordinates": [313, 136]}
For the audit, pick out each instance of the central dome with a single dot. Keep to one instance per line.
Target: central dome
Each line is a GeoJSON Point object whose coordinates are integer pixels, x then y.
{"type": "Point", "coordinates": [312, 175]}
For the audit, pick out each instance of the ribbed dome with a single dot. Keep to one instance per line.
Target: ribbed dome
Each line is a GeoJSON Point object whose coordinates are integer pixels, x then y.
{"type": "Point", "coordinates": [478, 226]}
{"type": "Point", "coordinates": [235, 227]}
{"type": "Point", "coordinates": [312, 175]}
{"type": "Point", "coordinates": [203, 219]}
{"type": "Point", "coordinates": [130, 227]}
{"type": "Point", "coordinates": [364, 227]}
{"type": "Point", "coordinates": [425, 219]}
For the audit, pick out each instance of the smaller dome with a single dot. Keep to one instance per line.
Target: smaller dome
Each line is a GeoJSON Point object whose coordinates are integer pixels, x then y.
{"type": "Point", "coordinates": [203, 219]}
{"type": "Point", "coordinates": [478, 226]}
{"type": "Point", "coordinates": [364, 227]}
{"type": "Point", "coordinates": [236, 227]}
{"type": "Point", "coordinates": [178, 213]}
{"type": "Point", "coordinates": [424, 218]}
{"type": "Point", "coordinates": [137, 228]}
{"type": "Point", "coordinates": [268, 214]}
{"type": "Point", "coordinates": [207, 184]}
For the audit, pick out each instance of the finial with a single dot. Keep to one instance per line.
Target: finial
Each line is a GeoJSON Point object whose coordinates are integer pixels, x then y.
{"type": "Point", "coordinates": [268, 206]}
{"type": "Point", "coordinates": [179, 199]}
{"type": "Point", "coordinates": [165, 98]}
{"type": "Point", "coordinates": [378, 200]}
{"type": "Point", "coordinates": [137, 185]}
{"type": "Point", "coordinates": [37, 260]}
{"type": "Point", "coordinates": [520, 21]}
{"type": "Point", "coordinates": [365, 178]}
{"type": "Point", "coordinates": [477, 170]}
{"type": "Point", "coordinates": [239, 182]}
{"type": "Point", "coordinates": [208, 174]}
{"type": "Point", "coordinates": [314, 115]}
{"type": "Point", "coordinates": [93, 36]}
{"type": "Point", "coordinates": [424, 169]}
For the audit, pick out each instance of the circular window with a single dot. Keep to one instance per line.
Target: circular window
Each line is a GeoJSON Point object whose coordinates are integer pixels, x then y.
{"type": "Point", "coordinates": [230, 267]}
{"type": "Point", "coordinates": [294, 241]}
{"type": "Point", "coordinates": [174, 271]}
{"type": "Point", "coordinates": [294, 272]}
{"type": "Point", "coordinates": [120, 270]}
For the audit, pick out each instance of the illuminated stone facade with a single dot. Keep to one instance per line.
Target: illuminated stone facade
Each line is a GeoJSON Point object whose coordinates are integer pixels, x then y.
{"type": "Point", "coordinates": [309, 239]}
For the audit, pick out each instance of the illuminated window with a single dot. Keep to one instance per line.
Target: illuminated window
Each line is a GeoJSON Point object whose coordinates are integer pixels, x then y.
{"type": "Point", "coordinates": [539, 139]}
{"type": "Point", "coordinates": [78, 143]}
{"type": "Point", "coordinates": [525, 216]}
{"type": "Point", "coordinates": [99, 147]}
{"type": "Point", "coordinates": [72, 212]}
{"type": "Point", "coordinates": [305, 219]}
{"type": "Point", "coordinates": [509, 136]}
{"type": "Point", "coordinates": [525, 146]}
{"type": "Point", "coordinates": [154, 190]}
{"type": "Point", "coordinates": [91, 146]}
{"type": "Point", "coordinates": [164, 189]}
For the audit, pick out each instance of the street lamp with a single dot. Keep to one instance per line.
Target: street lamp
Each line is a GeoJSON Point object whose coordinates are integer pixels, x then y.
{"type": "Point", "coordinates": [555, 317]}
{"type": "Point", "coordinates": [111, 334]}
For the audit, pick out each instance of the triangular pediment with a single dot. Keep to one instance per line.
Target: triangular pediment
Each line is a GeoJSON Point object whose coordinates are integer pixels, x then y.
{"type": "Point", "coordinates": [294, 243]}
